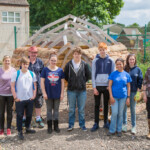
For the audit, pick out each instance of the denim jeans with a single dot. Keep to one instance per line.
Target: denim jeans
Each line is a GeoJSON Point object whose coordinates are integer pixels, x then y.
{"type": "Point", "coordinates": [80, 98]}
{"type": "Point", "coordinates": [26, 105]}
{"type": "Point", "coordinates": [52, 109]}
{"type": "Point", "coordinates": [117, 115]}
{"type": "Point", "coordinates": [132, 110]}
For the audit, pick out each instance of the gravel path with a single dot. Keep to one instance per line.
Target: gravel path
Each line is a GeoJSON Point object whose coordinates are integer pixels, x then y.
{"type": "Point", "coordinates": [78, 139]}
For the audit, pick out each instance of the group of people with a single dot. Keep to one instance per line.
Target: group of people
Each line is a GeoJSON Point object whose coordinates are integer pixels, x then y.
{"type": "Point", "coordinates": [28, 86]}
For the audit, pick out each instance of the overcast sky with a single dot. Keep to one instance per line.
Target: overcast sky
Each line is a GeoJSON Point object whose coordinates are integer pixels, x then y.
{"type": "Point", "coordinates": [134, 11]}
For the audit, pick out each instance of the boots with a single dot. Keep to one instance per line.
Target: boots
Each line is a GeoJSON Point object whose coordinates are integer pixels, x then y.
{"type": "Point", "coordinates": [56, 128]}
{"type": "Point", "coordinates": [148, 136]}
{"type": "Point", "coordinates": [49, 124]}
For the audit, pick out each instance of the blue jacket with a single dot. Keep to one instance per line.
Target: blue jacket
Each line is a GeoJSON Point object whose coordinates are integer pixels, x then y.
{"type": "Point", "coordinates": [101, 69]}
{"type": "Point", "coordinates": [137, 78]}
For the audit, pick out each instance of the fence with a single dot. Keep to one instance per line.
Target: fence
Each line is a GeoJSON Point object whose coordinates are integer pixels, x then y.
{"type": "Point", "coordinates": [135, 38]}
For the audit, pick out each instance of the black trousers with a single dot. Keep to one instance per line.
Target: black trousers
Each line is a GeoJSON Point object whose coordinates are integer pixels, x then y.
{"type": "Point", "coordinates": [6, 102]}
{"type": "Point", "coordinates": [27, 106]}
{"type": "Point", "coordinates": [102, 90]}
{"type": "Point", "coordinates": [148, 107]}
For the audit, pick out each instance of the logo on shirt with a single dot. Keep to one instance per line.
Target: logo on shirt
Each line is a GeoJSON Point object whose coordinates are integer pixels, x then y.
{"type": "Point", "coordinates": [53, 78]}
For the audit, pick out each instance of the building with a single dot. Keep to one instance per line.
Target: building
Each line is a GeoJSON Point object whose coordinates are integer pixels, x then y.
{"type": "Point", "coordinates": [131, 40]}
{"type": "Point", "coordinates": [13, 13]}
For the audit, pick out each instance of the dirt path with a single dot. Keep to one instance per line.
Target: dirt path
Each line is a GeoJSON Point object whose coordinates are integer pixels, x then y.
{"type": "Point", "coordinates": [78, 139]}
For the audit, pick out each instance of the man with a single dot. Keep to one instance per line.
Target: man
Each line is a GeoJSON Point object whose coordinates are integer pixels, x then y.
{"type": "Point", "coordinates": [24, 96]}
{"type": "Point", "coordinates": [102, 66]}
{"type": "Point", "coordinates": [77, 74]}
{"type": "Point", "coordinates": [36, 65]}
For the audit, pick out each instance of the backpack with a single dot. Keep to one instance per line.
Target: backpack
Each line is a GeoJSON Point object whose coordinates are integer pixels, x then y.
{"type": "Point", "coordinates": [18, 73]}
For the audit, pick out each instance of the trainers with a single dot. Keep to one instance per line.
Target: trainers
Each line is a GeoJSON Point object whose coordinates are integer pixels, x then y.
{"type": "Point", "coordinates": [119, 134]}
{"type": "Point", "coordinates": [110, 134]}
{"type": "Point", "coordinates": [133, 130]}
{"type": "Point", "coordinates": [40, 123]}
{"type": "Point", "coordinates": [95, 127]}
{"type": "Point", "coordinates": [106, 125]}
{"type": "Point", "coordinates": [70, 128]}
{"type": "Point", "coordinates": [84, 128]}
{"type": "Point", "coordinates": [30, 131]}
{"type": "Point", "coordinates": [1, 132]}
{"type": "Point", "coordinates": [124, 128]}
{"type": "Point", "coordinates": [8, 132]}
{"type": "Point", "coordinates": [20, 136]}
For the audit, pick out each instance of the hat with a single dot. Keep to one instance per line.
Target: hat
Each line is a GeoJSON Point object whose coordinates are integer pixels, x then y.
{"type": "Point", "coordinates": [33, 49]}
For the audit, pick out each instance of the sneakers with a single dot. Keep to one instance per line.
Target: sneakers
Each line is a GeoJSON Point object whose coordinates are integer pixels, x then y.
{"type": "Point", "coordinates": [8, 132]}
{"type": "Point", "coordinates": [1, 132]}
{"type": "Point", "coordinates": [95, 127]}
{"type": "Point", "coordinates": [119, 134]}
{"type": "Point", "coordinates": [30, 131]}
{"type": "Point", "coordinates": [133, 130]}
{"type": "Point", "coordinates": [40, 123]}
{"type": "Point", "coordinates": [110, 134]}
{"type": "Point", "coordinates": [124, 128]}
{"type": "Point", "coordinates": [83, 128]}
{"type": "Point", "coordinates": [70, 128]}
{"type": "Point", "coordinates": [20, 136]}
{"type": "Point", "coordinates": [106, 125]}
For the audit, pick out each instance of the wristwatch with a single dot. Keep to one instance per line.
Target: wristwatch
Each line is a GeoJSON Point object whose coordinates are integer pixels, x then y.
{"type": "Point", "coordinates": [128, 96]}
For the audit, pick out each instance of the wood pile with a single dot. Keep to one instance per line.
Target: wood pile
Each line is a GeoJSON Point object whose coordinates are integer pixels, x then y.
{"type": "Point", "coordinates": [114, 51]}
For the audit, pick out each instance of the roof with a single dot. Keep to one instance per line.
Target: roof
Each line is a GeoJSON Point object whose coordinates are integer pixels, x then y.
{"type": "Point", "coordinates": [132, 31]}
{"type": "Point", "coordinates": [14, 2]}
{"type": "Point", "coordinates": [113, 28]}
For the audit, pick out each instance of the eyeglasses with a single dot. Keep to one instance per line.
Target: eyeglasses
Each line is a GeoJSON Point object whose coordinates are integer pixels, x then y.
{"type": "Point", "coordinates": [53, 60]}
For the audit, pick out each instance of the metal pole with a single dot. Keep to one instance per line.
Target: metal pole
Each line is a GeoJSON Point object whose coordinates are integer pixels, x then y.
{"type": "Point", "coordinates": [145, 43]}
{"type": "Point", "coordinates": [15, 35]}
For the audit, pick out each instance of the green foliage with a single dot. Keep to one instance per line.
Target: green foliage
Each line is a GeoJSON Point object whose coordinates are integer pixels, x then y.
{"type": "Point", "coordinates": [98, 12]}
{"type": "Point", "coordinates": [143, 65]}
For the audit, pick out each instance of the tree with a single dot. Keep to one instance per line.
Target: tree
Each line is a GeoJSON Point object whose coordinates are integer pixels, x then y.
{"type": "Point", "coordinates": [134, 25]}
{"type": "Point", "coordinates": [148, 27]}
{"type": "Point", "coordinates": [98, 12]}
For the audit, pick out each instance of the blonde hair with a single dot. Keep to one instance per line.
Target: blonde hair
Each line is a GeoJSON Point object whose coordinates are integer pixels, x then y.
{"type": "Point", "coordinates": [24, 60]}
{"type": "Point", "coordinates": [102, 45]}
{"type": "Point", "coordinates": [5, 57]}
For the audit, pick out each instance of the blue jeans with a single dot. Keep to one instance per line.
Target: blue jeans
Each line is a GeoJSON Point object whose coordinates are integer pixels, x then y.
{"type": "Point", "coordinates": [27, 106]}
{"type": "Point", "coordinates": [80, 98]}
{"type": "Point", "coordinates": [117, 115]}
{"type": "Point", "coordinates": [132, 110]}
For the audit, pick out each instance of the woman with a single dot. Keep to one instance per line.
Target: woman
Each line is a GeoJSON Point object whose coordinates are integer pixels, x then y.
{"type": "Point", "coordinates": [6, 98]}
{"type": "Point", "coordinates": [52, 84]}
{"type": "Point", "coordinates": [136, 84]}
{"type": "Point", "coordinates": [119, 90]}
{"type": "Point", "coordinates": [146, 98]}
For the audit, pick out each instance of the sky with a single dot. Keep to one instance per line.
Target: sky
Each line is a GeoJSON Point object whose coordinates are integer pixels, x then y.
{"type": "Point", "coordinates": [134, 11]}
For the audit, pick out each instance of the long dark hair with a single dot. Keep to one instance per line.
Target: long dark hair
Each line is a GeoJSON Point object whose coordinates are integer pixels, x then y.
{"type": "Point", "coordinates": [127, 66]}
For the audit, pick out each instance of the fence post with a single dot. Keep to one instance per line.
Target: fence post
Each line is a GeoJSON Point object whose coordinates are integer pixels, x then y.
{"type": "Point", "coordinates": [145, 43]}
{"type": "Point", "coordinates": [15, 36]}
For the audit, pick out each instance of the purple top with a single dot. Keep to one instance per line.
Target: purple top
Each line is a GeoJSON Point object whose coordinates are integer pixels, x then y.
{"type": "Point", "coordinates": [5, 81]}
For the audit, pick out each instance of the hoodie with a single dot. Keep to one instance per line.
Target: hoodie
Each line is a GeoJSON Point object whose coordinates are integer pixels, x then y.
{"type": "Point", "coordinates": [101, 69]}
{"type": "Point", "coordinates": [137, 78]}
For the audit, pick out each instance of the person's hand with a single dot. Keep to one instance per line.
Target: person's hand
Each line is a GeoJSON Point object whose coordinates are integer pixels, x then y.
{"type": "Point", "coordinates": [45, 96]}
{"type": "Point", "coordinates": [128, 101]}
{"type": "Point", "coordinates": [61, 96]}
{"type": "Point", "coordinates": [95, 91]}
{"type": "Point", "coordinates": [112, 100]}
{"type": "Point", "coordinates": [17, 100]}
{"type": "Point", "coordinates": [32, 98]}
{"type": "Point", "coordinates": [145, 98]}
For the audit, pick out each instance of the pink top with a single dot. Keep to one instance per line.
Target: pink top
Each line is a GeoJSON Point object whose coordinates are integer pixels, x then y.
{"type": "Point", "coordinates": [5, 81]}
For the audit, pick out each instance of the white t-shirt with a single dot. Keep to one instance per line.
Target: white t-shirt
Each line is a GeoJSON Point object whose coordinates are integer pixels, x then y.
{"type": "Point", "coordinates": [75, 66]}
{"type": "Point", "coordinates": [24, 85]}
